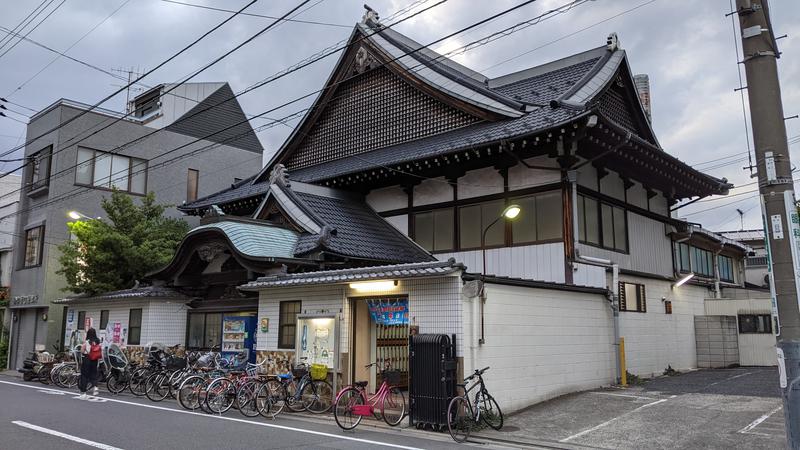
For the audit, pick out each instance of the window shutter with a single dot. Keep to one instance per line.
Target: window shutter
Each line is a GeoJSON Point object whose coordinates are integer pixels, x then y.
{"type": "Point", "coordinates": [643, 307]}
{"type": "Point", "coordinates": [622, 303]}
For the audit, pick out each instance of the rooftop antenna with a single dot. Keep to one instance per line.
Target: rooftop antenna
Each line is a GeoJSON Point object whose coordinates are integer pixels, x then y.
{"type": "Point", "coordinates": [741, 219]}
{"type": "Point", "coordinates": [132, 74]}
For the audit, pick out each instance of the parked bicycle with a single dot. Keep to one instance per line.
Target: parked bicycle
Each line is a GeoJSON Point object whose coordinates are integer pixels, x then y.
{"type": "Point", "coordinates": [298, 391]}
{"type": "Point", "coordinates": [352, 403]}
{"type": "Point", "coordinates": [464, 416]}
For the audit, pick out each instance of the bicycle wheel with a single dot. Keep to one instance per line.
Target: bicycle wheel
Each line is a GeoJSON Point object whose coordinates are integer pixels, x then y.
{"type": "Point", "coordinates": [220, 395]}
{"type": "Point", "coordinates": [293, 401]}
{"type": "Point", "coordinates": [317, 396]}
{"type": "Point", "coordinates": [44, 374]}
{"type": "Point", "coordinates": [393, 407]}
{"type": "Point", "coordinates": [247, 398]}
{"type": "Point", "coordinates": [343, 409]}
{"type": "Point", "coordinates": [192, 392]}
{"type": "Point", "coordinates": [276, 393]}
{"type": "Point", "coordinates": [175, 381]}
{"type": "Point", "coordinates": [137, 382]}
{"type": "Point", "coordinates": [116, 383]}
{"type": "Point", "coordinates": [460, 419]}
{"type": "Point", "coordinates": [491, 413]}
{"type": "Point", "coordinates": [54, 374]}
{"type": "Point", "coordinates": [157, 386]}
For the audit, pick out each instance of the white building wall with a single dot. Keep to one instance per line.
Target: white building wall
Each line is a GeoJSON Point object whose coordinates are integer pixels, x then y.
{"type": "Point", "coordinates": [521, 177]}
{"type": "Point", "coordinates": [754, 349]}
{"type": "Point", "coordinates": [543, 262]}
{"type": "Point", "coordinates": [162, 321]}
{"type": "Point", "coordinates": [435, 190]}
{"type": "Point", "coordinates": [556, 341]}
{"type": "Point", "coordinates": [400, 222]}
{"type": "Point", "coordinates": [477, 183]}
{"type": "Point", "coordinates": [387, 199]}
{"type": "Point", "coordinates": [654, 339]}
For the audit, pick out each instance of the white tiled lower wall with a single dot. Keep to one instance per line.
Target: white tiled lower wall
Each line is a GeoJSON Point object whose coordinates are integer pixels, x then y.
{"type": "Point", "coordinates": [539, 343]}
{"type": "Point", "coordinates": [434, 305]}
{"type": "Point", "coordinates": [655, 340]}
{"type": "Point", "coordinates": [161, 321]}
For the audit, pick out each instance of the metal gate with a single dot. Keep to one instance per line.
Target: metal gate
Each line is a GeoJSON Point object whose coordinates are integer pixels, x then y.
{"type": "Point", "coordinates": [432, 383]}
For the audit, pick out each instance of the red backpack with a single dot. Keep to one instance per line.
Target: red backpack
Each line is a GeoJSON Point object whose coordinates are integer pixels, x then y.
{"type": "Point", "coordinates": [95, 352]}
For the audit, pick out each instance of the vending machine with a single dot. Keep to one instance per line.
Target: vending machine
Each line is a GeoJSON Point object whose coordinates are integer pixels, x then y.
{"type": "Point", "coordinates": [238, 336]}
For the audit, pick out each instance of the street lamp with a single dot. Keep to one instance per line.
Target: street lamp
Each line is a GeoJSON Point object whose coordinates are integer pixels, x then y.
{"type": "Point", "coordinates": [75, 215]}
{"type": "Point", "coordinates": [510, 213]}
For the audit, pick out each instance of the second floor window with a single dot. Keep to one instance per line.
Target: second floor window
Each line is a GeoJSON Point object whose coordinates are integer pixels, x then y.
{"type": "Point", "coordinates": [34, 238]}
{"type": "Point", "coordinates": [725, 264]}
{"type": "Point", "coordinates": [702, 262]}
{"type": "Point", "coordinates": [39, 168]}
{"type": "Point", "coordinates": [434, 229]}
{"type": "Point", "coordinates": [602, 224]}
{"type": "Point", "coordinates": [106, 170]}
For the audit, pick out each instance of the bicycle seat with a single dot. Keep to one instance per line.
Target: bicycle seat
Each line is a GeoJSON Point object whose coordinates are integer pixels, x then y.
{"type": "Point", "coordinates": [361, 383]}
{"type": "Point", "coordinates": [285, 376]}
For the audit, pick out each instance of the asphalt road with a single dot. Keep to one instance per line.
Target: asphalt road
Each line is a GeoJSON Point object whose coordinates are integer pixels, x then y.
{"type": "Point", "coordinates": [33, 416]}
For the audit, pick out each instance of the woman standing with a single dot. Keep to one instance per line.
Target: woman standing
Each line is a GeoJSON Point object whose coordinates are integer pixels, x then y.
{"type": "Point", "coordinates": [90, 355]}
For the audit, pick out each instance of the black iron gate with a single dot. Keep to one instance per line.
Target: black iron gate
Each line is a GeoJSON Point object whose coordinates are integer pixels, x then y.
{"type": "Point", "coordinates": [432, 383]}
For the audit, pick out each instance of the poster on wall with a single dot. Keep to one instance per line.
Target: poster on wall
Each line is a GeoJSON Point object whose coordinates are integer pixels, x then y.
{"type": "Point", "coordinates": [317, 340]}
{"type": "Point", "coordinates": [117, 333]}
{"type": "Point", "coordinates": [389, 311]}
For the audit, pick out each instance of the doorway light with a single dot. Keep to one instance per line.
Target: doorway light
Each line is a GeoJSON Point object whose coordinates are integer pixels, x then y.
{"type": "Point", "coordinates": [373, 286]}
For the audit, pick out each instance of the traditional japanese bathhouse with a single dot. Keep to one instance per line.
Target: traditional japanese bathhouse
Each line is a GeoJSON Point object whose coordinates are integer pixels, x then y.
{"type": "Point", "coordinates": [438, 150]}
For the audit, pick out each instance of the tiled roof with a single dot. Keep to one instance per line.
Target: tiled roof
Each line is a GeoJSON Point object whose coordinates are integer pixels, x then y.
{"type": "Point", "coordinates": [396, 271]}
{"type": "Point", "coordinates": [241, 190]}
{"type": "Point", "coordinates": [744, 235]}
{"type": "Point", "coordinates": [549, 85]}
{"type": "Point", "coordinates": [154, 292]}
{"type": "Point", "coordinates": [360, 232]}
{"type": "Point", "coordinates": [256, 240]}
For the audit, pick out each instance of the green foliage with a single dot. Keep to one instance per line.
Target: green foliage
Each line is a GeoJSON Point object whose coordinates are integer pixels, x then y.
{"type": "Point", "coordinates": [108, 255]}
{"type": "Point", "coordinates": [3, 347]}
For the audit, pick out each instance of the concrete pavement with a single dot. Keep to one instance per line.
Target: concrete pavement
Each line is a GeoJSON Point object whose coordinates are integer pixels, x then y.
{"type": "Point", "coordinates": [710, 409]}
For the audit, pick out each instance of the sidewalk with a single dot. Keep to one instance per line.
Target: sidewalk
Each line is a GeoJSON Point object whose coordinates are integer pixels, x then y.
{"type": "Point", "coordinates": [11, 373]}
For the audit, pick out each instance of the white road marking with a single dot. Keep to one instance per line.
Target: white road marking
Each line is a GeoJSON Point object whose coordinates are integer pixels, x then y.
{"type": "Point", "coordinates": [232, 419]}
{"type": "Point", "coordinates": [729, 379]}
{"type": "Point", "coordinates": [758, 421]}
{"type": "Point", "coordinates": [64, 435]}
{"type": "Point", "coordinates": [638, 397]}
{"type": "Point", "coordinates": [608, 422]}
{"type": "Point", "coordinates": [50, 392]}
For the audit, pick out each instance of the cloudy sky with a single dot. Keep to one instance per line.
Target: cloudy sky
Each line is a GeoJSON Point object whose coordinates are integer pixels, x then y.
{"type": "Point", "coordinates": [686, 47]}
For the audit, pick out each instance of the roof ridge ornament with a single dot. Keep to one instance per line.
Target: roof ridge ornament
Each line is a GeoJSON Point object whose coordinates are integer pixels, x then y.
{"type": "Point", "coordinates": [279, 176]}
{"type": "Point", "coordinates": [370, 15]}
{"type": "Point", "coordinates": [612, 42]}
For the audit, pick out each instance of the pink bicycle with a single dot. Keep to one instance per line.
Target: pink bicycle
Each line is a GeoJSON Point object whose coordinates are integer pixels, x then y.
{"type": "Point", "coordinates": [352, 402]}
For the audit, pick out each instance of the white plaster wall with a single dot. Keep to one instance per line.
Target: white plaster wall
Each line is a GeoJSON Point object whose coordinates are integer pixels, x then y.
{"type": "Point", "coordinates": [556, 341]}
{"type": "Point", "coordinates": [587, 176]}
{"type": "Point", "coordinates": [612, 185]}
{"type": "Point", "coordinates": [400, 222]}
{"type": "Point", "coordinates": [637, 196]}
{"type": "Point", "coordinates": [754, 349]}
{"type": "Point", "coordinates": [435, 190]}
{"type": "Point", "coordinates": [543, 262]}
{"type": "Point", "coordinates": [654, 339]}
{"type": "Point", "coordinates": [589, 275]}
{"type": "Point", "coordinates": [387, 199]}
{"type": "Point", "coordinates": [521, 177]}
{"type": "Point", "coordinates": [658, 204]}
{"type": "Point", "coordinates": [476, 183]}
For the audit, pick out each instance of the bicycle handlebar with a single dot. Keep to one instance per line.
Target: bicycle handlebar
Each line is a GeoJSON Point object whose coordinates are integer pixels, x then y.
{"type": "Point", "coordinates": [477, 373]}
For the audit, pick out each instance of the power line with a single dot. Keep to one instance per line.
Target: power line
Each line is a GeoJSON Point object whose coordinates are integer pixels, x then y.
{"type": "Point", "coordinates": [83, 112]}
{"type": "Point", "coordinates": [741, 89]}
{"type": "Point", "coordinates": [77, 190]}
{"type": "Point", "coordinates": [264, 82]}
{"type": "Point", "coordinates": [23, 23]}
{"type": "Point", "coordinates": [60, 54]}
{"type": "Point", "coordinates": [34, 28]}
{"type": "Point", "coordinates": [258, 15]}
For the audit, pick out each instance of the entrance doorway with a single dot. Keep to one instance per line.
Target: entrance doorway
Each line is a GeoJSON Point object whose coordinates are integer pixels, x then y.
{"type": "Point", "coordinates": [379, 335]}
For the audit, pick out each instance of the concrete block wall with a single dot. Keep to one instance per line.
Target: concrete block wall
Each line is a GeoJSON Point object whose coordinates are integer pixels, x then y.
{"type": "Point", "coordinates": [717, 341]}
{"type": "Point", "coordinates": [555, 341]}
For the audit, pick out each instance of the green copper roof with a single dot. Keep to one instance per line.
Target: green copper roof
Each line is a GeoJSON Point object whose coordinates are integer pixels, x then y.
{"type": "Point", "coordinates": [256, 240]}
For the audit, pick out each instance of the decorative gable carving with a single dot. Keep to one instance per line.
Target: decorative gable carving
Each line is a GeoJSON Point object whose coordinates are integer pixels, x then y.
{"type": "Point", "coordinates": [374, 109]}
{"type": "Point", "coordinates": [618, 105]}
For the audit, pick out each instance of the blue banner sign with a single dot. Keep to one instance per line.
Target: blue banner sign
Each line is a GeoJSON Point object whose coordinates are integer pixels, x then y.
{"type": "Point", "coordinates": [389, 311]}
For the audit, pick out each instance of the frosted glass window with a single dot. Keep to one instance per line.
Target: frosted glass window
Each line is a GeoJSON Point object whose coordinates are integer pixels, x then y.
{"type": "Point", "coordinates": [83, 173]}
{"type": "Point", "coordinates": [120, 168]}
{"type": "Point", "coordinates": [138, 176]}
{"type": "Point", "coordinates": [102, 170]}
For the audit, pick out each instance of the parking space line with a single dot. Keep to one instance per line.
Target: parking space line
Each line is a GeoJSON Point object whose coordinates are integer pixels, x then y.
{"type": "Point", "coordinates": [758, 421]}
{"type": "Point", "coordinates": [70, 437]}
{"type": "Point", "coordinates": [729, 379]}
{"type": "Point", "coordinates": [638, 397]}
{"type": "Point", "coordinates": [608, 422]}
{"type": "Point", "coordinates": [232, 419]}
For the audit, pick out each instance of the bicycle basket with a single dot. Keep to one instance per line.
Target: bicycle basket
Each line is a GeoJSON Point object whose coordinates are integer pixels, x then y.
{"type": "Point", "coordinates": [175, 363]}
{"type": "Point", "coordinates": [299, 372]}
{"type": "Point", "coordinates": [392, 377]}
{"type": "Point", "coordinates": [319, 372]}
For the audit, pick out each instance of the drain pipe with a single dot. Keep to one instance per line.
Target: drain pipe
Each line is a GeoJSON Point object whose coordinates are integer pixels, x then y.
{"type": "Point", "coordinates": [613, 300]}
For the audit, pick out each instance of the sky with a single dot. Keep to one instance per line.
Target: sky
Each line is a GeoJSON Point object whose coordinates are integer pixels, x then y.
{"type": "Point", "coordinates": [685, 46]}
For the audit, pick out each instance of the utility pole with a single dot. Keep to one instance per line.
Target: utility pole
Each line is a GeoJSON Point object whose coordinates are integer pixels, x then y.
{"type": "Point", "coordinates": [777, 197]}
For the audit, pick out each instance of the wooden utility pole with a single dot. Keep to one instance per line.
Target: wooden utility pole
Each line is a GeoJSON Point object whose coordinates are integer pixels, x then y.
{"type": "Point", "coordinates": [777, 197]}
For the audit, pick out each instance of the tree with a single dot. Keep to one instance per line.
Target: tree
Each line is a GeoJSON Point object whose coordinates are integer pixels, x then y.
{"type": "Point", "coordinates": [108, 255]}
